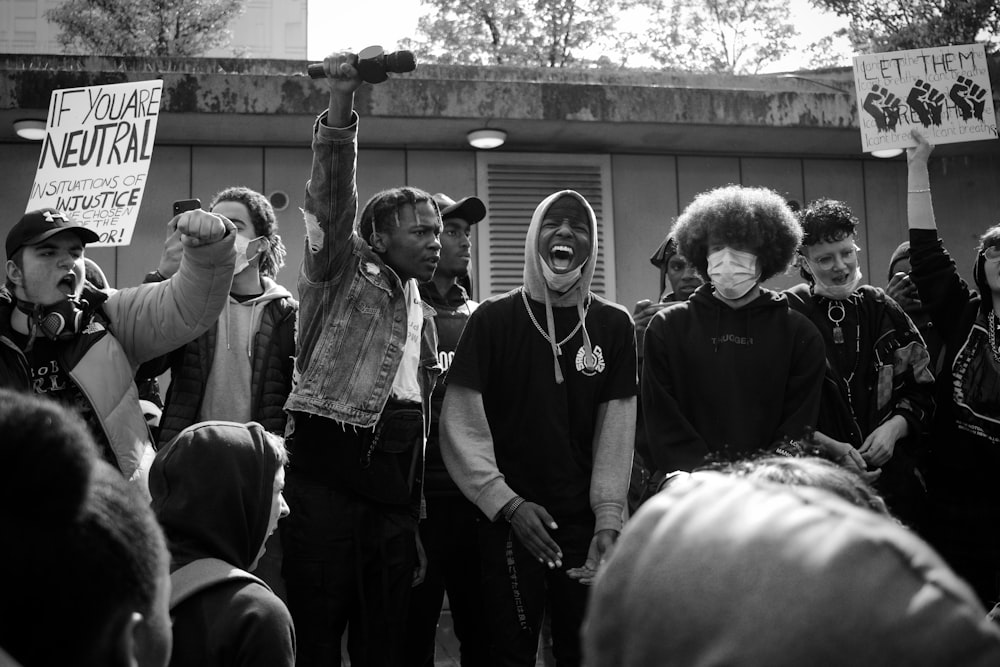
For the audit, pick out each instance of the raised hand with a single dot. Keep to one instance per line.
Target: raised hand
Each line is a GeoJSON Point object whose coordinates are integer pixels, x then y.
{"type": "Point", "coordinates": [198, 228]}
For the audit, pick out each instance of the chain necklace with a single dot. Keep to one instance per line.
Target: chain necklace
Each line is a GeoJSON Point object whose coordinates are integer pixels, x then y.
{"type": "Point", "coordinates": [836, 312]}
{"type": "Point", "coordinates": [527, 307]}
{"type": "Point", "coordinates": [992, 320]}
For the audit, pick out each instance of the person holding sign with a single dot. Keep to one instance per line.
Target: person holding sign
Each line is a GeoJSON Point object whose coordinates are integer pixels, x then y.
{"type": "Point", "coordinates": [64, 338]}
{"type": "Point", "coordinates": [965, 434]}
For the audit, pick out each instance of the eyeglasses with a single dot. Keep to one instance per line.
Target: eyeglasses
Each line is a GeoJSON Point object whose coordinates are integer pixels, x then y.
{"type": "Point", "coordinates": [992, 253]}
{"type": "Point", "coordinates": [827, 262]}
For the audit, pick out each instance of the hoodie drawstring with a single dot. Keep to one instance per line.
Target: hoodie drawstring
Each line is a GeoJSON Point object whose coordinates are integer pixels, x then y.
{"type": "Point", "coordinates": [556, 350]}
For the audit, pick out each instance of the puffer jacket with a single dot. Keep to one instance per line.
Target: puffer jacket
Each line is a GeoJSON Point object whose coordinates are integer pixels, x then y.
{"type": "Point", "coordinates": [271, 372]}
{"type": "Point", "coordinates": [122, 329]}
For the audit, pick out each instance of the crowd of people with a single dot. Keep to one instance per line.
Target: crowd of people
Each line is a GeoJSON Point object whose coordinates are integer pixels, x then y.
{"type": "Point", "coordinates": [730, 475]}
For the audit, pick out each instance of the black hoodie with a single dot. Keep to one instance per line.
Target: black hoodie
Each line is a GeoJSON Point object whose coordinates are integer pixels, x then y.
{"type": "Point", "coordinates": [212, 488]}
{"type": "Point", "coordinates": [719, 379]}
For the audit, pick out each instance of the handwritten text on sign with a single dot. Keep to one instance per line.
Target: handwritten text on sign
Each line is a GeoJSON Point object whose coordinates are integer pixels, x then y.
{"type": "Point", "coordinates": [945, 92]}
{"type": "Point", "coordinates": [96, 153]}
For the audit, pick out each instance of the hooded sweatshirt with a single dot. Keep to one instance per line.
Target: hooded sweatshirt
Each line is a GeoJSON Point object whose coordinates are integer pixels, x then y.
{"type": "Point", "coordinates": [212, 488]}
{"type": "Point", "coordinates": [526, 414]}
{"type": "Point", "coordinates": [232, 360]}
{"type": "Point", "coordinates": [718, 570]}
{"type": "Point", "coordinates": [730, 381]}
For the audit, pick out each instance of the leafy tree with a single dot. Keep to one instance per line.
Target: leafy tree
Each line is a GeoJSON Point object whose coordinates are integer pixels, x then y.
{"type": "Point", "coordinates": [734, 36]}
{"type": "Point", "coordinates": [892, 25]}
{"type": "Point", "coordinates": [538, 33]}
{"type": "Point", "coordinates": [144, 27]}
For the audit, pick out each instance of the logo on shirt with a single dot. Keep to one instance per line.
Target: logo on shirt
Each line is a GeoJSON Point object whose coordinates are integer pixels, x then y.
{"type": "Point", "coordinates": [590, 364]}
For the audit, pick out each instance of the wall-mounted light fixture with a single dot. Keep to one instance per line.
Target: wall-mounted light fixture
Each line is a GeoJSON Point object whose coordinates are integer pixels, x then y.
{"type": "Point", "coordinates": [887, 153]}
{"type": "Point", "coordinates": [486, 138]}
{"type": "Point", "coordinates": [31, 129]}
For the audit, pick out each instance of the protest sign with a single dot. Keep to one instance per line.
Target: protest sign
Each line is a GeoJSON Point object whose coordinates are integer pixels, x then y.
{"type": "Point", "coordinates": [95, 156]}
{"type": "Point", "coordinates": [945, 92]}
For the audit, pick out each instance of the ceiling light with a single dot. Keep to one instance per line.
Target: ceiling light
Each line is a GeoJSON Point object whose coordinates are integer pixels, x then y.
{"type": "Point", "coordinates": [31, 129]}
{"type": "Point", "coordinates": [486, 138]}
{"type": "Point", "coordinates": [887, 153]}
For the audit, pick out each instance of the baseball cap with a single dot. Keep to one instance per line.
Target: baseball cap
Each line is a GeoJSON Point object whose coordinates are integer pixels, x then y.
{"type": "Point", "coordinates": [470, 209]}
{"type": "Point", "coordinates": [36, 226]}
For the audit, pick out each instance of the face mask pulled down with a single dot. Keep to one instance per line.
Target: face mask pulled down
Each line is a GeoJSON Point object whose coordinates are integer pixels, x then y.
{"type": "Point", "coordinates": [836, 292]}
{"type": "Point", "coordinates": [733, 273]}
{"type": "Point", "coordinates": [560, 282]}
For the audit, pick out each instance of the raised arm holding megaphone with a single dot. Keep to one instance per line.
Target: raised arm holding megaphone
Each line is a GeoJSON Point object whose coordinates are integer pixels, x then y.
{"type": "Point", "coordinates": [374, 64]}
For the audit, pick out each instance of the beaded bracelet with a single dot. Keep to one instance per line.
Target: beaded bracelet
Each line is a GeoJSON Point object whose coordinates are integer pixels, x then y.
{"type": "Point", "coordinates": [916, 192]}
{"type": "Point", "coordinates": [511, 507]}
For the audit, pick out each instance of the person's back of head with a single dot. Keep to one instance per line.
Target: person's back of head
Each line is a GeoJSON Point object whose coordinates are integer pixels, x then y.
{"type": "Point", "coordinates": [88, 583]}
{"type": "Point", "coordinates": [810, 471]}
{"type": "Point", "coordinates": [721, 570]}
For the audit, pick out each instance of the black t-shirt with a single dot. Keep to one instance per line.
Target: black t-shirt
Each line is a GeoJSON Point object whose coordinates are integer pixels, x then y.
{"type": "Point", "coordinates": [49, 378]}
{"type": "Point", "coordinates": [543, 432]}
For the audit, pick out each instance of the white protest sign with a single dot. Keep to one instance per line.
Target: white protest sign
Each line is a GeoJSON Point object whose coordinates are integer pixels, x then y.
{"type": "Point", "coordinates": [945, 92]}
{"type": "Point", "coordinates": [95, 156]}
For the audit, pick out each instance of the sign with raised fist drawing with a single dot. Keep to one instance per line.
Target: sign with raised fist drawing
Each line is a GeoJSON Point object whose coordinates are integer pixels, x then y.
{"type": "Point", "coordinates": [944, 91]}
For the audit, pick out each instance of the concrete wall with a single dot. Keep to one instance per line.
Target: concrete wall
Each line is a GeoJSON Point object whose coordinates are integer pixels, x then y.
{"type": "Point", "coordinates": [669, 136]}
{"type": "Point", "coordinates": [648, 192]}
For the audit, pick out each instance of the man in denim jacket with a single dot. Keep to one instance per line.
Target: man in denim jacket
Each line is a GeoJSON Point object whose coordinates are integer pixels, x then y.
{"type": "Point", "coordinates": [366, 365]}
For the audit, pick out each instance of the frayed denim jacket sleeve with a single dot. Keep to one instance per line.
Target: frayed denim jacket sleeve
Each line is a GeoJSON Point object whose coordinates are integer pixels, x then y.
{"type": "Point", "coordinates": [331, 202]}
{"type": "Point", "coordinates": [352, 313]}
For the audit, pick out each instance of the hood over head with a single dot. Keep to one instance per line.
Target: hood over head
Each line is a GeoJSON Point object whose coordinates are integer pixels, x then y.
{"type": "Point", "coordinates": [212, 487]}
{"type": "Point", "coordinates": [719, 570]}
{"type": "Point", "coordinates": [901, 252]}
{"type": "Point", "coordinates": [538, 289]}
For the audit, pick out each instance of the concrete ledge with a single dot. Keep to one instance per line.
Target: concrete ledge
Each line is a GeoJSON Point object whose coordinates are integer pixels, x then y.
{"type": "Point", "coordinates": [234, 101]}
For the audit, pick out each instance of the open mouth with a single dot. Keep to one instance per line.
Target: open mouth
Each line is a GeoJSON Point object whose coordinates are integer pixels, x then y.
{"type": "Point", "coordinates": [560, 257]}
{"type": "Point", "coordinates": [68, 283]}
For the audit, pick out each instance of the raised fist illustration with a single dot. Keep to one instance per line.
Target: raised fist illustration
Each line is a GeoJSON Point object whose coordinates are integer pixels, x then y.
{"type": "Point", "coordinates": [927, 102]}
{"type": "Point", "coordinates": [883, 106]}
{"type": "Point", "coordinates": [969, 97]}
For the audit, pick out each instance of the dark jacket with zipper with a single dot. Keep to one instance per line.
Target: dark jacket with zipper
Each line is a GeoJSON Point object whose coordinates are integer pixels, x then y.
{"type": "Point", "coordinates": [270, 380]}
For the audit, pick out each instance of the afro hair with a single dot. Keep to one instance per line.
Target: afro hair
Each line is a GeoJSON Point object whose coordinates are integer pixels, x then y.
{"type": "Point", "coordinates": [757, 220]}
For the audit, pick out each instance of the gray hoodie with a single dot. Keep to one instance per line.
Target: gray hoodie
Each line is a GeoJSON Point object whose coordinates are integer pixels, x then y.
{"type": "Point", "coordinates": [466, 440]}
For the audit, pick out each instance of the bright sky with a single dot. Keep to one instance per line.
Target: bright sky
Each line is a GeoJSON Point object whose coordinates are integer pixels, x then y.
{"type": "Point", "coordinates": [336, 25]}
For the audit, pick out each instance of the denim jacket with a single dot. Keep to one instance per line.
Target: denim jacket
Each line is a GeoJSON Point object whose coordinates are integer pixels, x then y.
{"type": "Point", "coordinates": [352, 311]}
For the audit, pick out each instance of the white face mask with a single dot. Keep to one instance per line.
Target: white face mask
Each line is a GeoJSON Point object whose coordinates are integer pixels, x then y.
{"type": "Point", "coordinates": [836, 292]}
{"type": "Point", "coordinates": [247, 252]}
{"type": "Point", "coordinates": [560, 282]}
{"type": "Point", "coordinates": [733, 273]}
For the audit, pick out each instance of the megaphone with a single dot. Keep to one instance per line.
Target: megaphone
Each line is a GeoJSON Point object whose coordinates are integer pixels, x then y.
{"type": "Point", "coordinates": [374, 64]}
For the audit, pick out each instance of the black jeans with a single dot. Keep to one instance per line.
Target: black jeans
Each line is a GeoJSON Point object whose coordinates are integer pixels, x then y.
{"type": "Point", "coordinates": [348, 563]}
{"type": "Point", "coordinates": [449, 536]}
{"type": "Point", "coordinates": [516, 588]}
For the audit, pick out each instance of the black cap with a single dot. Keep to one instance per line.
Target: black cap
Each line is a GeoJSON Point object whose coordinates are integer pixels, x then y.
{"type": "Point", "coordinates": [36, 226]}
{"type": "Point", "coordinates": [470, 209]}
{"type": "Point", "coordinates": [663, 254]}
